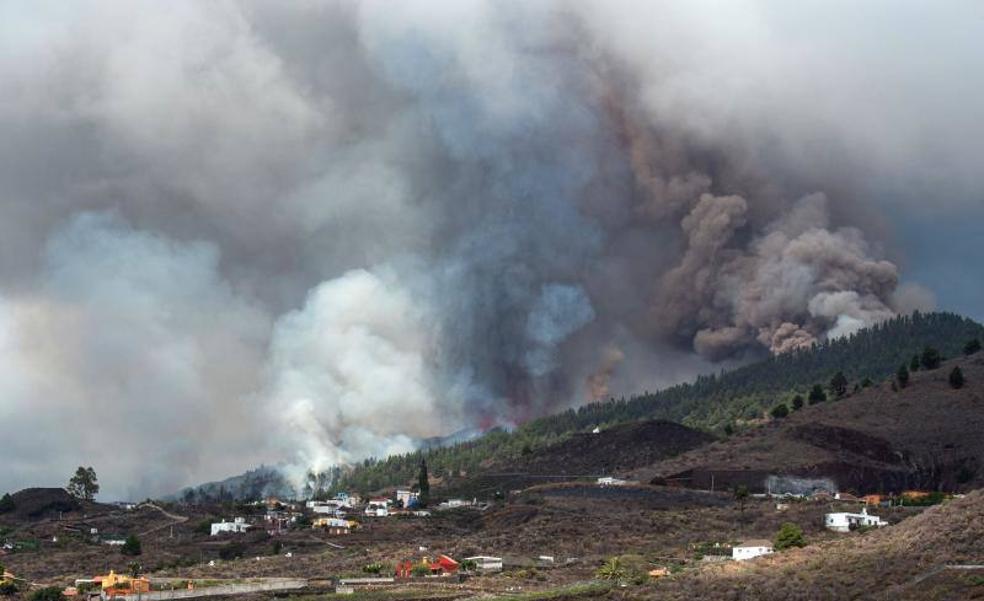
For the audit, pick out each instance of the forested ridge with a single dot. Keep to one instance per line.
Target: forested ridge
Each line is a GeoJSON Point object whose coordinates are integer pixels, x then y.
{"type": "Point", "coordinates": [712, 402]}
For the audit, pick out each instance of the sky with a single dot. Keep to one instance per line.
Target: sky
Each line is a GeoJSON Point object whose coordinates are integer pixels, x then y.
{"type": "Point", "coordinates": [307, 232]}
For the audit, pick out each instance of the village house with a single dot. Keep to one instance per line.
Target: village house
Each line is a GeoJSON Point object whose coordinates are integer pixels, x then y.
{"type": "Point", "coordinates": [407, 498]}
{"type": "Point", "coordinates": [237, 526]}
{"type": "Point", "coordinates": [453, 503]}
{"type": "Point", "coordinates": [751, 549]}
{"type": "Point", "coordinates": [847, 521]}
{"type": "Point", "coordinates": [331, 507]}
{"type": "Point", "coordinates": [609, 481]}
{"type": "Point", "coordinates": [333, 526]}
{"type": "Point", "coordinates": [377, 508]}
{"type": "Point", "coordinates": [485, 563]}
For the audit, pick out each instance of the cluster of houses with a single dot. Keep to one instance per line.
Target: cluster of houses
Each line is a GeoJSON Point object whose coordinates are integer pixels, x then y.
{"type": "Point", "coordinates": [841, 521]}
{"type": "Point", "coordinates": [331, 515]}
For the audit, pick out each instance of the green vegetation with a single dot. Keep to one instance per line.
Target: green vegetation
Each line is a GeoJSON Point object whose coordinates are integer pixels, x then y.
{"type": "Point", "coordinates": [902, 376]}
{"type": "Point", "coordinates": [131, 546]}
{"type": "Point", "coordinates": [797, 402]}
{"type": "Point", "coordinates": [372, 568]}
{"type": "Point", "coordinates": [232, 551]}
{"type": "Point", "coordinates": [973, 346]}
{"type": "Point", "coordinates": [817, 395]}
{"type": "Point", "coordinates": [741, 495]}
{"type": "Point", "coordinates": [789, 535]}
{"type": "Point", "coordinates": [933, 498]}
{"type": "Point", "coordinates": [623, 570]}
{"type": "Point", "coordinates": [48, 593]}
{"type": "Point", "coordinates": [838, 384]}
{"type": "Point", "coordinates": [8, 588]}
{"type": "Point", "coordinates": [780, 411]}
{"type": "Point", "coordinates": [423, 483]}
{"type": "Point", "coordinates": [7, 503]}
{"type": "Point", "coordinates": [956, 378]}
{"type": "Point", "coordinates": [930, 358]}
{"type": "Point", "coordinates": [711, 402]}
{"type": "Point", "coordinates": [84, 484]}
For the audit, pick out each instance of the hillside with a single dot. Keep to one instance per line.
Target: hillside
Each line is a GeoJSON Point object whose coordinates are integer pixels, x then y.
{"type": "Point", "coordinates": [710, 403]}
{"type": "Point", "coordinates": [926, 435]}
{"type": "Point", "coordinates": [258, 483]}
{"type": "Point", "coordinates": [612, 450]}
{"type": "Point", "coordinates": [904, 561]}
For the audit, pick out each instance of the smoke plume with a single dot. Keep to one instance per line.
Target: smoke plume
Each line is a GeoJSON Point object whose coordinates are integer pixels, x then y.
{"type": "Point", "coordinates": [312, 232]}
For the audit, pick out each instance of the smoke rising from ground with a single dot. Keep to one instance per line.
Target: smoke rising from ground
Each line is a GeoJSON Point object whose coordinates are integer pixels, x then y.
{"type": "Point", "coordinates": [311, 232]}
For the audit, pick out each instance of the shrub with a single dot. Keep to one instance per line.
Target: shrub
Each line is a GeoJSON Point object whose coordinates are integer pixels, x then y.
{"type": "Point", "coordinates": [914, 363]}
{"type": "Point", "coordinates": [838, 384]}
{"type": "Point", "coordinates": [203, 527]}
{"type": "Point", "coordinates": [612, 570]}
{"type": "Point", "coordinates": [233, 551]}
{"type": "Point", "coordinates": [956, 378]}
{"type": "Point", "coordinates": [6, 503]}
{"type": "Point", "coordinates": [8, 589]}
{"type": "Point", "coordinates": [797, 402]}
{"type": "Point", "coordinates": [420, 570]}
{"type": "Point", "coordinates": [469, 565]}
{"type": "Point", "coordinates": [930, 358]}
{"type": "Point", "coordinates": [372, 568]}
{"type": "Point", "coordinates": [902, 376]}
{"type": "Point", "coordinates": [817, 395]}
{"type": "Point", "coordinates": [789, 535]}
{"type": "Point", "coordinates": [973, 346]}
{"type": "Point", "coordinates": [131, 546]}
{"type": "Point", "coordinates": [48, 593]}
{"type": "Point", "coordinates": [780, 411]}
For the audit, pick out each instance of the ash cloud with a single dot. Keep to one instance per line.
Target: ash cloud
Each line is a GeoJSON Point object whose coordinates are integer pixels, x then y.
{"type": "Point", "coordinates": [312, 232]}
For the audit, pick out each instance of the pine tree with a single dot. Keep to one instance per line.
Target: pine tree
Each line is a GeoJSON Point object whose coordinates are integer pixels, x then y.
{"type": "Point", "coordinates": [817, 395]}
{"type": "Point", "coordinates": [423, 482]}
{"type": "Point", "coordinates": [973, 346]}
{"type": "Point", "coordinates": [956, 378]}
{"type": "Point", "coordinates": [780, 411]}
{"type": "Point", "coordinates": [789, 535]}
{"type": "Point", "coordinates": [930, 358]}
{"type": "Point", "coordinates": [914, 363]}
{"type": "Point", "coordinates": [131, 546]}
{"type": "Point", "coordinates": [902, 376]}
{"type": "Point", "coordinates": [838, 384]}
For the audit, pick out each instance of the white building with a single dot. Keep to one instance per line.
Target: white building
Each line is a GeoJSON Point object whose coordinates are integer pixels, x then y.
{"type": "Point", "coordinates": [453, 503]}
{"type": "Point", "coordinates": [751, 549]}
{"type": "Point", "coordinates": [486, 563]}
{"type": "Point", "coordinates": [846, 521]}
{"type": "Point", "coordinates": [331, 507]}
{"type": "Point", "coordinates": [238, 526]}
{"type": "Point", "coordinates": [406, 498]}
{"type": "Point", "coordinates": [609, 481]}
{"type": "Point", "coordinates": [378, 508]}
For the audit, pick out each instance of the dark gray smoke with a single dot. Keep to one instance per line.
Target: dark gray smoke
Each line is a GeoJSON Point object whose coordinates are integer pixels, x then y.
{"type": "Point", "coordinates": [243, 232]}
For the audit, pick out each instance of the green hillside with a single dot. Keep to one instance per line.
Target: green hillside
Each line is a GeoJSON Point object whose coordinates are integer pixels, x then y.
{"type": "Point", "coordinates": [710, 403]}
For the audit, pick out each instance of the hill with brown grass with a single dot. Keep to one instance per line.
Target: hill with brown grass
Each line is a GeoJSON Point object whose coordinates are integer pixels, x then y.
{"type": "Point", "coordinates": [914, 559]}
{"type": "Point", "coordinates": [880, 439]}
